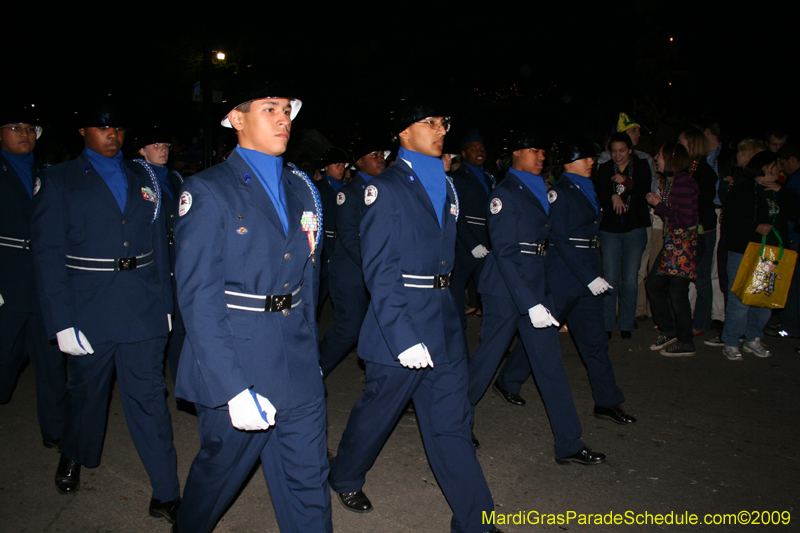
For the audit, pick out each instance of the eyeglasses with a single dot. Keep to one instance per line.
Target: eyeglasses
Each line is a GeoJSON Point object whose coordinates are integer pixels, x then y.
{"type": "Point", "coordinates": [19, 128]}
{"type": "Point", "coordinates": [436, 124]}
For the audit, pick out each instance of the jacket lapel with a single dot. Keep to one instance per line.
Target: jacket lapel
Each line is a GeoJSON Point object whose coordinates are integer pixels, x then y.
{"type": "Point", "coordinates": [256, 195]}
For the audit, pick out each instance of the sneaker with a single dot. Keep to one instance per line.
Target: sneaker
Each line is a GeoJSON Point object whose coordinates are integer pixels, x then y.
{"type": "Point", "coordinates": [756, 347]}
{"type": "Point", "coordinates": [732, 353]}
{"type": "Point", "coordinates": [663, 341]}
{"type": "Point", "coordinates": [716, 341]}
{"type": "Point", "coordinates": [678, 349]}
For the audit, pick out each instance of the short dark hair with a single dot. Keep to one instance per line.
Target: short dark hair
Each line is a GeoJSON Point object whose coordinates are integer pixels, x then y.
{"type": "Point", "coordinates": [709, 123]}
{"type": "Point", "coordinates": [789, 150]}
{"type": "Point", "coordinates": [697, 141]}
{"type": "Point", "coordinates": [621, 137]}
{"type": "Point", "coordinates": [777, 130]}
{"type": "Point", "coordinates": [755, 167]}
{"type": "Point", "coordinates": [676, 159]}
{"type": "Point", "coordinates": [244, 108]}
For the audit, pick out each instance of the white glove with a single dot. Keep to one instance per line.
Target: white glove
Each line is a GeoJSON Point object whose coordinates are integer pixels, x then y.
{"type": "Point", "coordinates": [416, 357]}
{"type": "Point", "coordinates": [72, 341]}
{"type": "Point", "coordinates": [599, 286]}
{"type": "Point", "coordinates": [541, 318]}
{"type": "Point", "coordinates": [250, 411]}
{"type": "Point", "coordinates": [1, 300]}
{"type": "Point", "coordinates": [169, 322]}
{"type": "Point", "coordinates": [479, 252]}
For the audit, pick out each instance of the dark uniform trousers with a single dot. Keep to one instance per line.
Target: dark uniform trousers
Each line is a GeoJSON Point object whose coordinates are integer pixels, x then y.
{"type": "Point", "coordinates": [347, 288]}
{"type": "Point", "coordinates": [227, 456]}
{"type": "Point", "coordinates": [122, 313]}
{"type": "Point", "coordinates": [22, 330]}
{"type": "Point", "coordinates": [571, 265]}
{"type": "Point", "coordinates": [402, 245]}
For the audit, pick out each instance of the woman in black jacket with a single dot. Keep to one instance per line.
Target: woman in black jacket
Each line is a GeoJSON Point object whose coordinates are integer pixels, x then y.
{"type": "Point", "coordinates": [621, 186]}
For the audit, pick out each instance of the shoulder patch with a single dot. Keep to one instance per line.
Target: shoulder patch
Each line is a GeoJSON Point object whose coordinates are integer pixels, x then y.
{"type": "Point", "coordinates": [340, 198]}
{"type": "Point", "coordinates": [552, 195]}
{"type": "Point", "coordinates": [370, 194]}
{"type": "Point", "coordinates": [495, 206]}
{"type": "Point", "coordinates": [37, 184]}
{"type": "Point", "coordinates": [185, 203]}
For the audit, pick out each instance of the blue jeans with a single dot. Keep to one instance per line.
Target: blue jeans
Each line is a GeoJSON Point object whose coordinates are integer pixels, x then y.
{"type": "Point", "coordinates": [705, 293]}
{"type": "Point", "coordinates": [622, 257]}
{"type": "Point", "coordinates": [740, 318]}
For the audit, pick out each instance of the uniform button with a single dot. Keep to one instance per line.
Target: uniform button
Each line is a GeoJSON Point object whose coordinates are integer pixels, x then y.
{"type": "Point", "coordinates": [285, 312]}
{"type": "Point", "coordinates": [285, 285]}
{"type": "Point", "coordinates": [126, 244]}
{"type": "Point", "coordinates": [547, 225]}
{"type": "Point", "coordinates": [444, 263]}
{"type": "Point", "coordinates": [124, 221]}
{"type": "Point", "coordinates": [287, 256]}
{"type": "Point", "coordinates": [172, 216]}
{"type": "Point", "coordinates": [595, 222]}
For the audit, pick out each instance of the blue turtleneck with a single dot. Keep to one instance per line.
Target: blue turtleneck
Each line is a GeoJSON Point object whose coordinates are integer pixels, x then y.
{"type": "Point", "coordinates": [112, 171]}
{"type": "Point", "coordinates": [268, 169]}
{"type": "Point", "coordinates": [23, 165]}
{"type": "Point", "coordinates": [430, 171]}
{"type": "Point", "coordinates": [535, 184]}
{"type": "Point", "coordinates": [587, 188]}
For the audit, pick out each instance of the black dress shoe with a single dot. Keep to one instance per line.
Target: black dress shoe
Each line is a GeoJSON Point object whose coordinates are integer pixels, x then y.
{"type": "Point", "coordinates": [355, 501]}
{"type": "Point", "coordinates": [614, 413]}
{"type": "Point", "coordinates": [166, 510]}
{"type": "Point", "coordinates": [475, 441]}
{"type": "Point", "coordinates": [509, 397]}
{"type": "Point", "coordinates": [584, 457]}
{"type": "Point", "coordinates": [68, 476]}
{"type": "Point", "coordinates": [52, 443]}
{"type": "Point", "coordinates": [625, 334]}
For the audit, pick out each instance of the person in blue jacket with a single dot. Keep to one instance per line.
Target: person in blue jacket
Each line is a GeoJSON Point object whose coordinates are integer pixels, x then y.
{"type": "Point", "coordinates": [247, 270]}
{"type": "Point", "coordinates": [22, 331]}
{"type": "Point", "coordinates": [346, 279]}
{"type": "Point", "coordinates": [153, 147]}
{"type": "Point", "coordinates": [516, 296]}
{"type": "Point", "coordinates": [474, 185]}
{"type": "Point", "coordinates": [100, 257]}
{"type": "Point", "coordinates": [574, 279]}
{"type": "Point", "coordinates": [411, 339]}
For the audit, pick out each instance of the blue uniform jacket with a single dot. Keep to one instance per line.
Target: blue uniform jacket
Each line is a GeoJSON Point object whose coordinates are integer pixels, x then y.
{"type": "Point", "coordinates": [401, 236]}
{"type": "Point", "coordinates": [328, 198]}
{"type": "Point", "coordinates": [573, 217]}
{"type": "Point", "coordinates": [516, 221]}
{"type": "Point", "coordinates": [17, 283]}
{"type": "Point", "coordinates": [76, 214]}
{"type": "Point", "coordinates": [231, 239]}
{"type": "Point", "coordinates": [345, 263]}
{"type": "Point", "coordinates": [473, 200]}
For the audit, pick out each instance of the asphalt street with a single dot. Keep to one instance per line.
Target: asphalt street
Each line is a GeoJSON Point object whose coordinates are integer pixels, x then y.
{"type": "Point", "coordinates": [713, 437]}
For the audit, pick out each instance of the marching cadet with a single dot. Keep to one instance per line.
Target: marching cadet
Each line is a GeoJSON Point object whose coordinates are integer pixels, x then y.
{"type": "Point", "coordinates": [412, 339]}
{"type": "Point", "coordinates": [247, 270]}
{"type": "Point", "coordinates": [332, 164]}
{"type": "Point", "coordinates": [473, 185]}
{"type": "Point", "coordinates": [348, 292]}
{"type": "Point", "coordinates": [154, 148]}
{"type": "Point", "coordinates": [100, 256]}
{"type": "Point", "coordinates": [516, 296]}
{"type": "Point", "coordinates": [573, 276]}
{"type": "Point", "coordinates": [22, 330]}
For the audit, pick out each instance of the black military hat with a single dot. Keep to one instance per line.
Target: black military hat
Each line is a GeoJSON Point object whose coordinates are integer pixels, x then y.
{"type": "Point", "coordinates": [368, 142]}
{"type": "Point", "coordinates": [252, 85]}
{"type": "Point", "coordinates": [332, 156]}
{"type": "Point", "coordinates": [12, 114]}
{"type": "Point", "coordinates": [152, 136]}
{"type": "Point", "coordinates": [413, 110]}
{"type": "Point", "coordinates": [571, 149]}
{"type": "Point", "coordinates": [527, 138]}
{"type": "Point", "coordinates": [101, 114]}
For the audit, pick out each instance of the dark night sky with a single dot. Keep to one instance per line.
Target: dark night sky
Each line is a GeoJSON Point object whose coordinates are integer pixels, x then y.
{"type": "Point", "coordinates": [561, 67]}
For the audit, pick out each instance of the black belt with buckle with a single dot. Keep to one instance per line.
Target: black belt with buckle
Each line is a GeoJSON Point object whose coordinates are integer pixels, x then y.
{"type": "Point", "coordinates": [439, 281]}
{"type": "Point", "coordinates": [536, 248]}
{"type": "Point", "coordinates": [594, 242]}
{"type": "Point", "coordinates": [271, 303]}
{"type": "Point", "coordinates": [11, 242]}
{"type": "Point", "coordinates": [109, 265]}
